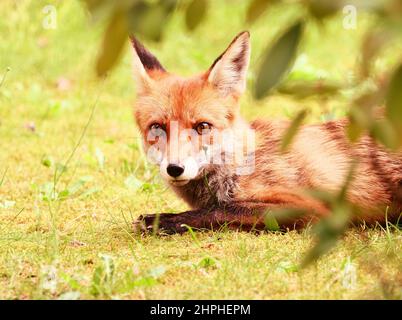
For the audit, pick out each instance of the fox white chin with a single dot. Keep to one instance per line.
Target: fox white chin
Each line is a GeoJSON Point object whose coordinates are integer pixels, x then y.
{"type": "Point", "coordinates": [191, 171]}
{"type": "Point", "coordinates": [178, 183]}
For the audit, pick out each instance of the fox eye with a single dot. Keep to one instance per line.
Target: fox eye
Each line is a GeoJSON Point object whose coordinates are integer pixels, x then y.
{"type": "Point", "coordinates": [156, 130]}
{"type": "Point", "coordinates": [203, 127]}
{"type": "Point", "coordinates": [155, 127]}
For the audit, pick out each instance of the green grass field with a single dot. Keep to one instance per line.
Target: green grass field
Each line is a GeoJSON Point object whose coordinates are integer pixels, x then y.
{"type": "Point", "coordinates": [69, 235]}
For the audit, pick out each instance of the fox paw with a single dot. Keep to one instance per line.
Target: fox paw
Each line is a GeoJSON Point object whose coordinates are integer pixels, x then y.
{"type": "Point", "coordinates": [160, 223]}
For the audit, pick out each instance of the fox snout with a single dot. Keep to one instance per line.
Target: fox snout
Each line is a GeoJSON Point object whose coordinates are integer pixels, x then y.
{"type": "Point", "coordinates": [174, 170]}
{"type": "Point", "coordinates": [179, 173]}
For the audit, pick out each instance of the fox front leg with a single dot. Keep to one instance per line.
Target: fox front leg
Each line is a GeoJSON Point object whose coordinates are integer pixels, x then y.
{"type": "Point", "coordinates": [170, 223]}
{"type": "Point", "coordinates": [242, 215]}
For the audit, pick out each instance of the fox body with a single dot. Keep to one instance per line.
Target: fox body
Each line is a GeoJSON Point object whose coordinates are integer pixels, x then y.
{"type": "Point", "coordinates": [193, 130]}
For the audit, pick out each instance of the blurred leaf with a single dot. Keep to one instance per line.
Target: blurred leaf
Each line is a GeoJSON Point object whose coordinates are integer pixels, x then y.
{"type": "Point", "coordinates": [101, 9]}
{"type": "Point", "coordinates": [47, 161]}
{"type": "Point", "coordinates": [359, 121]}
{"type": "Point", "coordinates": [94, 5]}
{"type": "Point", "coordinates": [348, 180]}
{"type": "Point", "coordinates": [113, 43]}
{"type": "Point", "coordinates": [256, 8]}
{"type": "Point", "coordinates": [321, 9]}
{"type": "Point", "coordinates": [322, 195]}
{"type": "Point", "coordinates": [96, 281]}
{"type": "Point", "coordinates": [329, 229]}
{"type": "Point", "coordinates": [207, 262]}
{"type": "Point", "coordinates": [371, 100]}
{"type": "Point", "coordinates": [305, 71]}
{"type": "Point", "coordinates": [286, 214]}
{"type": "Point", "coordinates": [303, 89]}
{"type": "Point", "coordinates": [277, 61]}
{"type": "Point", "coordinates": [108, 266]}
{"type": "Point", "coordinates": [149, 19]}
{"type": "Point", "coordinates": [394, 101]}
{"type": "Point", "coordinates": [372, 44]}
{"type": "Point", "coordinates": [353, 130]}
{"type": "Point", "coordinates": [270, 222]}
{"type": "Point", "coordinates": [102, 278]}
{"type": "Point", "coordinates": [383, 131]}
{"type": "Point", "coordinates": [292, 130]}
{"type": "Point", "coordinates": [287, 266]}
{"type": "Point", "coordinates": [142, 282]}
{"type": "Point", "coordinates": [195, 13]}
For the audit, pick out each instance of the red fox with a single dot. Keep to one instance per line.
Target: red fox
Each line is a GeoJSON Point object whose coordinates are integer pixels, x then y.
{"type": "Point", "coordinates": [182, 121]}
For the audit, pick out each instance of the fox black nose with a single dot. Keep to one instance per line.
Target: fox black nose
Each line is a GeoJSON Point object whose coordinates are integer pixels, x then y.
{"type": "Point", "coordinates": [174, 170]}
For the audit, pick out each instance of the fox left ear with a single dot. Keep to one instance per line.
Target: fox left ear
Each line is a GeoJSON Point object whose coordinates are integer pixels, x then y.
{"type": "Point", "coordinates": [228, 72]}
{"type": "Point", "coordinates": [145, 64]}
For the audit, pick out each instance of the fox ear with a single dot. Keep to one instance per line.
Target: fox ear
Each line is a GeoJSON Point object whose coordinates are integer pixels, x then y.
{"type": "Point", "coordinates": [228, 72]}
{"type": "Point", "coordinates": [145, 64]}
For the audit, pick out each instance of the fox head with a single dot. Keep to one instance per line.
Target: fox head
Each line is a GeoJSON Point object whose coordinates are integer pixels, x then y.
{"type": "Point", "coordinates": [182, 119]}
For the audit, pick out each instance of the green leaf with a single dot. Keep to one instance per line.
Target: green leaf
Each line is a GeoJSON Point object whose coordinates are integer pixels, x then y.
{"type": "Point", "coordinates": [307, 89]}
{"type": "Point", "coordinates": [94, 5]}
{"type": "Point", "coordinates": [143, 282]}
{"type": "Point", "coordinates": [287, 266]}
{"type": "Point", "coordinates": [195, 13]}
{"type": "Point", "coordinates": [108, 266]}
{"type": "Point", "coordinates": [207, 262]}
{"type": "Point", "coordinates": [270, 222]}
{"type": "Point", "coordinates": [100, 9]}
{"type": "Point", "coordinates": [348, 180]}
{"type": "Point", "coordinates": [47, 161]}
{"type": "Point", "coordinates": [324, 8]}
{"type": "Point", "coordinates": [385, 133]}
{"type": "Point", "coordinates": [149, 18]}
{"type": "Point", "coordinates": [113, 43]}
{"type": "Point", "coordinates": [373, 42]}
{"type": "Point", "coordinates": [358, 122]}
{"type": "Point", "coordinates": [73, 283]}
{"type": "Point", "coordinates": [278, 60]}
{"type": "Point", "coordinates": [328, 231]}
{"type": "Point", "coordinates": [96, 281]}
{"type": "Point", "coordinates": [257, 8]}
{"type": "Point", "coordinates": [394, 101]}
{"type": "Point", "coordinates": [292, 130]}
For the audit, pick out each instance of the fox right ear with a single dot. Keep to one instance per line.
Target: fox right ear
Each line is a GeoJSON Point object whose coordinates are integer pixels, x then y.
{"type": "Point", "coordinates": [145, 65]}
{"type": "Point", "coordinates": [228, 72]}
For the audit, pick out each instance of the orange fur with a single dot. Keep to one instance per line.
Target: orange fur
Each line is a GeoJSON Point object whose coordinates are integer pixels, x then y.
{"type": "Point", "coordinates": [319, 157]}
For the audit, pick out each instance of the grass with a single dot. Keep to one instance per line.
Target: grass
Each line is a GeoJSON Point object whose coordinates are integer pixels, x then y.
{"type": "Point", "coordinates": [73, 176]}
